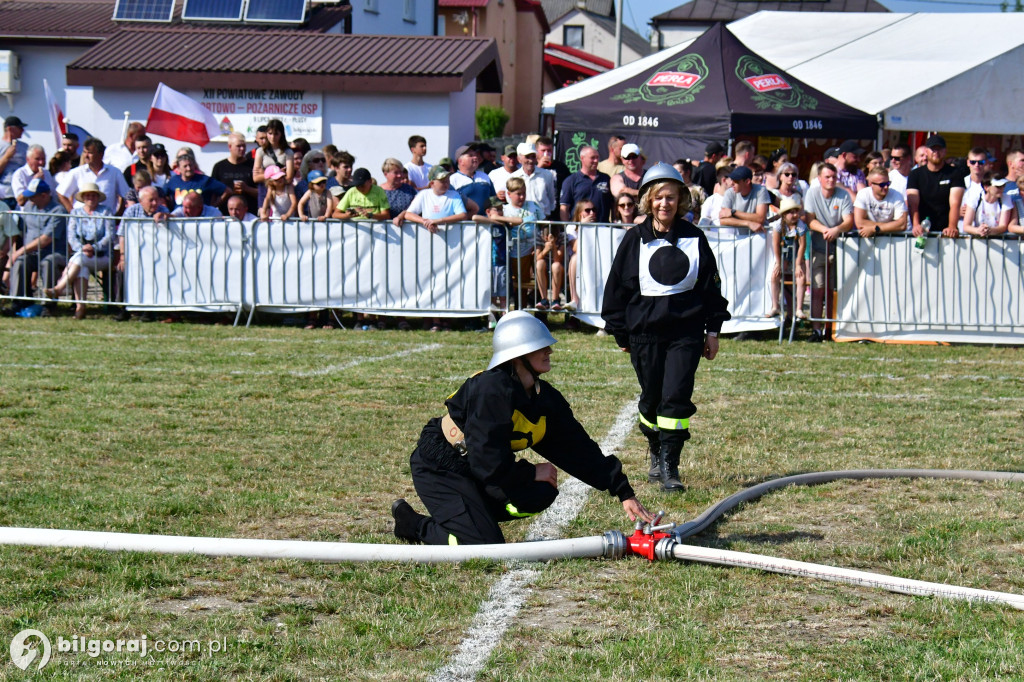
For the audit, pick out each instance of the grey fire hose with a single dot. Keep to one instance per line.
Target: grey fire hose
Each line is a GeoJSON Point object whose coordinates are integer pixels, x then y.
{"type": "Point", "coordinates": [717, 510]}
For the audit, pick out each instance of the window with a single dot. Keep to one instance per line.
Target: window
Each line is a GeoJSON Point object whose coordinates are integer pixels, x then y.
{"type": "Point", "coordinates": [572, 36]}
{"type": "Point", "coordinates": [409, 11]}
{"type": "Point", "coordinates": [371, 6]}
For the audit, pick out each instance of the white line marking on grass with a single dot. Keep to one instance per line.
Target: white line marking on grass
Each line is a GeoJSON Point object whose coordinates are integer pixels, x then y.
{"type": "Point", "coordinates": [915, 397]}
{"type": "Point", "coordinates": [871, 375]}
{"type": "Point", "coordinates": [331, 369]}
{"type": "Point", "coordinates": [41, 332]}
{"type": "Point", "coordinates": [865, 358]}
{"type": "Point", "coordinates": [508, 595]}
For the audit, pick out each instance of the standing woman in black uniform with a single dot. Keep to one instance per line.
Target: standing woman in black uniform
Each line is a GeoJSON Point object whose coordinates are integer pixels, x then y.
{"type": "Point", "coordinates": [465, 468]}
{"type": "Point", "coordinates": [663, 304]}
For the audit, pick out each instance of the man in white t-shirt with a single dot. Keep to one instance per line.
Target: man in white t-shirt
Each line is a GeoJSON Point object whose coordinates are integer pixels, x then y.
{"type": "Point", "coordinates": [711, 209]}
{"type": "Point", "coordinates": [900, 162]}
{"type": "Point", "coordinates": [419, 170]}
{"type": "Point", "coordinates": [437, 205]}
{"type": "Point", "coordinates": [500, 175]}
{"type": "Point", "coordinates": [122, 155]}
{"type": "Point", "coordinates": [878, 209]}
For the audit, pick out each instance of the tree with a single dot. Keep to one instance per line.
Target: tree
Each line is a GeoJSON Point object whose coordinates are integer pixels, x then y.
{"type": "Point", "coordinates": [491, 121]}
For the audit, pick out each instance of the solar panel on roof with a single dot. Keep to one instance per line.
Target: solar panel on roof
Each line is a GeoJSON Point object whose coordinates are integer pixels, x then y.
{"type": "Point", "coordinates": [143, 10]}
{"type": "Point", "coordinates": [289, 11]}
{"type": "Point", "coordinates": [212, 10]}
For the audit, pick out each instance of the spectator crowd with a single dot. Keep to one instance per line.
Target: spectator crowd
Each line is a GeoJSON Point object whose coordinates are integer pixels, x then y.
{"type": "Point", "coordinates": [61, 219]}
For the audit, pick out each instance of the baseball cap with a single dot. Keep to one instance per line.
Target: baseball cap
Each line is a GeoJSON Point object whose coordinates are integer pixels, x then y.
{"type": "Point", "coordinates": [525, 149]}
{"type": "Point", "coordinates": [850, 147]}
{"type": "Point", "coordinates": [510, 150]}
{"type": "Point", "coordinates": [14, 121]}
{"type": "Point", "coordinates": [831, 153]}
{"type": "Point", "coordinates": [337, 190]}
{"type": "Point", "coordinates": [446, 162]}
{"type": "Point", "coordinates": [465, 149]}
{"type": "Point", "coordinates": [495, 202]}
{"type": "Point", "coordinates": [360, 176]}
{"type": "Point", "coordinates": [271, 172]}
{"type": "Point", "coordinates": [439, 172]}
{"type": "Point", "coordinates": [484, 147]}
{"type": "Point", "coordinates": [315, 176]}
{"type": "Point", "coordinates": [714, 148]}
{"type": "Point", "coordinates": [935, 141]}
{"type": "Point", "coordinates": [997, 181]}
{"type": "Point", "coordinates": [629, 150]}
{"type": "Point", "coordinates": [38, 186]}
{"type": "Point", "coordinates": [741, 173]}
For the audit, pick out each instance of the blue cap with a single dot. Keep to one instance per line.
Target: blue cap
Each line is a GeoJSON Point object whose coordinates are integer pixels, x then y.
{"type": "Point", "coordinates": [37, 186]}
{"type": "Point", "coordinates": [315, 175]}
{"type": "Point", "coordinates": [741, 173]}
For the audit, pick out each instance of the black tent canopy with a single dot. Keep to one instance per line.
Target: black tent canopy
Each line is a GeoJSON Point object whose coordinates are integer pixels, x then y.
{"type": "Point", "coordinates": [715, 88]}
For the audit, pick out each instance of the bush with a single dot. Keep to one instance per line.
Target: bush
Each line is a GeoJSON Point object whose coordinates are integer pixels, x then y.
{"type": "Point", "coordinates": [490, 122]}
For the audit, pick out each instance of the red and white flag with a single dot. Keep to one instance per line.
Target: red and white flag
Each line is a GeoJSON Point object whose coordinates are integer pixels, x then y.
{"type": "Point", "coordinates": [180, 117]}
{"type": "Point", "coordinates": [56, 115]}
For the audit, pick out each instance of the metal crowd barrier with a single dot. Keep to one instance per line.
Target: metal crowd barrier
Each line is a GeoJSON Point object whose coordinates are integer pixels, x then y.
{"type": "Point", "coordinates": [956, 289]}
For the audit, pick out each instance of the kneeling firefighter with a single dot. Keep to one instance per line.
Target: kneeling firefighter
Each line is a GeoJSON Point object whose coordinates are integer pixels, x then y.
{"type": "Point", "coordinates": [663, 304]}
{"type": "Point", "coordinates": [465, 468]}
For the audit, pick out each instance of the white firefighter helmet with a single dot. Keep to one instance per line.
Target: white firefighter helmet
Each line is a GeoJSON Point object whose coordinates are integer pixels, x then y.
{"type": "Point", "coordinates": [517, 334]}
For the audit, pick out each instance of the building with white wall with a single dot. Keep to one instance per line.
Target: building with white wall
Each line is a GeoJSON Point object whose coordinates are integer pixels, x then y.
{"type": "Point", "coordinates": [366, 94]}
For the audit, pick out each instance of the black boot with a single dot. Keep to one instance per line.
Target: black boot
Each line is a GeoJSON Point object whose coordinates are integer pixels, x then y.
{"type": "Point", "coordinates": [669, 469]}
{"type": "Point", "coordinates": [654, 445]}
{"type": "Point", "coordinates": [407, 522]}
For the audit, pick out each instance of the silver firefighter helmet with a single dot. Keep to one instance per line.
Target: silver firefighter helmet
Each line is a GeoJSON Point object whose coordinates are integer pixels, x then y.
{"type": "Point", "coordinates": [659, 172]}
{"type": "Point", "coordinates": [517, 334]}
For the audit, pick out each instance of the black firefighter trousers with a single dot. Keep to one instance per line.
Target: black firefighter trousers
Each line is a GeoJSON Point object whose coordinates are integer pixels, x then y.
{"type": "Point", "coordinates": [666, 370]}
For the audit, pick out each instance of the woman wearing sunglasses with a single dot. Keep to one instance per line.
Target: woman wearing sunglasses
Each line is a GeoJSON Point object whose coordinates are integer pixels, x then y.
{"type": "Point", "coordinates": [625, 210]}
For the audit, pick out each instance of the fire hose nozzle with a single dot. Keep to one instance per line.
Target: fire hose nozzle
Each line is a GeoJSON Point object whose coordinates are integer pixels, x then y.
{"type": "Point", "coordinates": [615, 544]}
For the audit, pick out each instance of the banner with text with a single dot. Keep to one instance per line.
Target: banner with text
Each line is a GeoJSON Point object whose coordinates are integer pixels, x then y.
{"type": "Point", "coordinates": [242, 110]}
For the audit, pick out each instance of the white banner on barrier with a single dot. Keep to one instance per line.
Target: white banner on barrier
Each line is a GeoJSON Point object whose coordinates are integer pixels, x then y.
{"type": "Point", "coordinates": [744, 263]}
{"type": "Point", "coordinates": [202, 265]}
{"type": "Point", "coordinates": [184, 265]}
{"type": "Point", "coordinates": [957, 290]}
{"type": "Point", "coordinates": [373, 267]}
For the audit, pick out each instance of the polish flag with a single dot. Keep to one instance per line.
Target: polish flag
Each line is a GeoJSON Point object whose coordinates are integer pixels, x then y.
{"type": "Point", "coordinates": [180, 117]}
{"type": "Point", "coordinates": [56, 115]}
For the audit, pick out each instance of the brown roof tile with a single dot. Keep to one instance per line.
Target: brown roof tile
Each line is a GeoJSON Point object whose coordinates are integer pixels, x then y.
{"type": "Point", "coordinates": [226, 57]}
{"type": "Point", "coordinates": [64, 19]}
{"type": "Point", "coordinates": [92, 20]}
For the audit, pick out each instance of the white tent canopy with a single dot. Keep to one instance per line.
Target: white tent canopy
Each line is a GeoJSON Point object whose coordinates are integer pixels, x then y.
{"type": "Point", "coordinates": [937, 71]}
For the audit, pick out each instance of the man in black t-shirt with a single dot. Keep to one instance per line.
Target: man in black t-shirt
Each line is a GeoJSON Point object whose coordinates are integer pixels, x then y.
{"type": "Point", "coordinates": [705, 175]}
{"type": "Point", "coordinates": [236, 174]}
{"type": "Point", "coordinates": [934, 191]}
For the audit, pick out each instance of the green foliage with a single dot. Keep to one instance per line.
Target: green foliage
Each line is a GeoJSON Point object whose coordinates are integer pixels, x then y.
{"type": "Point", "coordinates": [491, 121]}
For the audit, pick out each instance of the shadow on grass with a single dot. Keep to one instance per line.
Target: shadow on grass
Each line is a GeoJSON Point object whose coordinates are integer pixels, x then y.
{"type": "Point", "coordinates": [727, 541]}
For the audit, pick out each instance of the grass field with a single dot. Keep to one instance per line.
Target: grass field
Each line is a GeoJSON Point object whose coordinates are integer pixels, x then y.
{"type": "Point", "coordinates": [285, 433]}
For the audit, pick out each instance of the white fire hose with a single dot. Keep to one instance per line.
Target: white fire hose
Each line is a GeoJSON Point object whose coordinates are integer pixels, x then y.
{"type": "Point", "coordinates": [648, 540]}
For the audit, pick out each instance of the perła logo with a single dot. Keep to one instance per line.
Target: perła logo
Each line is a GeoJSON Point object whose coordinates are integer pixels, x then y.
{"type": "Point", "coordinates": [675, 79]}
{"type": "Point", "coordinates": [768, 82]}
{"type": "Point", "coordinates": [22, 654]}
